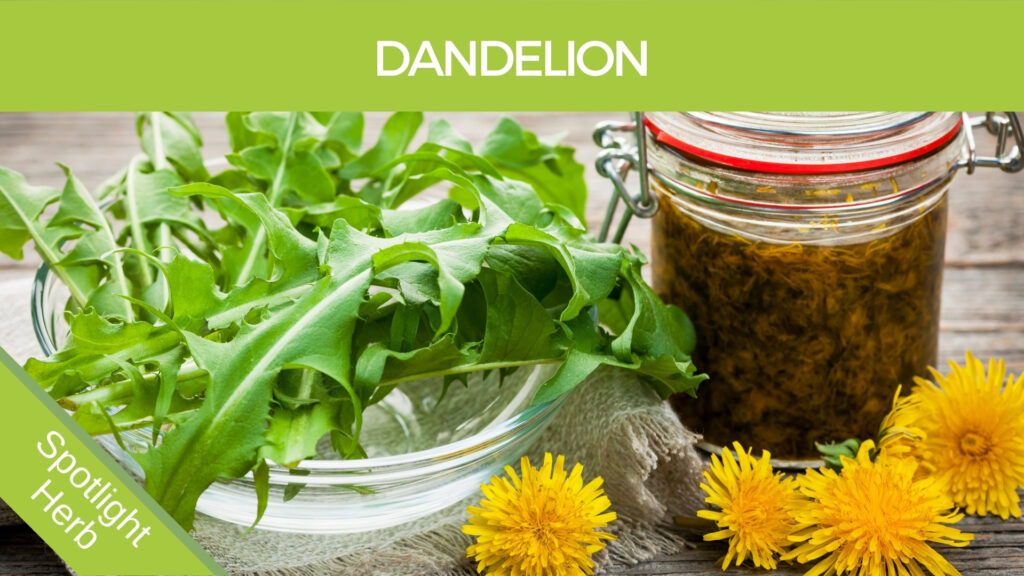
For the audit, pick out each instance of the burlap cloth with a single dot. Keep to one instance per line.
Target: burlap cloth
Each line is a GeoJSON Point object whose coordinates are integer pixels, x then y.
{"type": "Point", "coordinates": [612, 423]}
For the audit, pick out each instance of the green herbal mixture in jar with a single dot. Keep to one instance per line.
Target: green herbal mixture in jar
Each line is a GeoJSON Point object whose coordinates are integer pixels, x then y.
{"type": "Point", "coordinates": [802, 342]}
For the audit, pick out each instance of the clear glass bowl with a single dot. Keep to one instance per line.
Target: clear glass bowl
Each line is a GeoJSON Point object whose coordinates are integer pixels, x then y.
{"type": "Point", "coordinates": [424, 455]}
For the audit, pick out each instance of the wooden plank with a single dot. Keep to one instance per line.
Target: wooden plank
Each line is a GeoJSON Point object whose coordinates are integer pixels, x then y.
{"type": "Point", "coordinates": [1004, 562]}
{"type": "Point", "coordinates": [24, 553]}
{"type": "Point", "coordinates": [1005, 345]}
{"type": "Point", "coordinates": [98, 144]}
{"type": "Point", "coordinates": [983, 298]}
{"type": "Point", "coordinates": [997, 550]}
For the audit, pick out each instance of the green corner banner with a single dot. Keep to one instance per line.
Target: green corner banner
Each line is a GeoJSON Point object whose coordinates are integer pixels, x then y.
{"type": "Point", "coordinates": [77, 498]}
{"type": "Point", "coordinates": [540, 54]}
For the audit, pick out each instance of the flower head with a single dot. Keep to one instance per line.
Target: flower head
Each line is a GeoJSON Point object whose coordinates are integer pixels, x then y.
{"type": "Point", "coordinates": [753, 504]}
{"type": "Point", "coordinates": [874, 519]}
{"type": "Point", "coordinates": [899, 435]}
{"type": "Point", "coordinates": [974, 435]}
{"type": "Point", "coordinates": [543, 524]}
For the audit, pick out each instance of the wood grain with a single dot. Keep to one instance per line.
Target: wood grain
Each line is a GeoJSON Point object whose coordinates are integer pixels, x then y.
{"type": "Point", "coordinates": [983, 296]}
{"type": "Point", "coordinates": [24, 553]}
{"type": "Point", "coordinates": [997, 550]}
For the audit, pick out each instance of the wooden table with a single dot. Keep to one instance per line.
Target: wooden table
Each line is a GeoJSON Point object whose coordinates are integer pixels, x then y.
{"type": "Point", "coordinates": [983, 296]}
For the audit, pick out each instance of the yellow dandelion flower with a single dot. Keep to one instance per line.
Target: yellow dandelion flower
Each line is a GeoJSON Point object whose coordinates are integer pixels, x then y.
{"type": "Point", "coordinates": [899, 435]}
{"type": "Point", "coordinates": [974, 435]}
{"type": "Point", "coordinates": [753, 504]}
{"type": "Point", "coordinates": [874, 518]}
{"type": "Point", "coordinates": [543, 524]}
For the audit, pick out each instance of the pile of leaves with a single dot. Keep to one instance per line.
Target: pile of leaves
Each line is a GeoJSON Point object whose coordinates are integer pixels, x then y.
{"type": "Point", "coordinates": [244, 316]}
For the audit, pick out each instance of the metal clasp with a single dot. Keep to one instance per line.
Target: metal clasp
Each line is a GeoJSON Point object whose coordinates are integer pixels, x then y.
{"type": "Point", "coordinates": [1002, 125]}
{"type": "Point", "coordinates": [617, 157]}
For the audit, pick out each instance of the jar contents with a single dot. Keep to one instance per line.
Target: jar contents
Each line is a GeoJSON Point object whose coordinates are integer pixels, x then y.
{"type": "Point", "coordinates": [802, 342]}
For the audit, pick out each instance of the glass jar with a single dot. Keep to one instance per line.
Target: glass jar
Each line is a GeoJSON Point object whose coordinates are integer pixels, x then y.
{"type": "Point", "coordinates": [808, 249]}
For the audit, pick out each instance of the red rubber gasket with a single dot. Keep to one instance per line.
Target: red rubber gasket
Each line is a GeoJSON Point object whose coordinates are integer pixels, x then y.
{"type": "Point", "coordinates": [781, 168]}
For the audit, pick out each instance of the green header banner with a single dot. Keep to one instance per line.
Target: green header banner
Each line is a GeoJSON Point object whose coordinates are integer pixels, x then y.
{"type": "Point", "coordinates": [77, 498]}
{"type": "Point", "coordinates": [509, 54]}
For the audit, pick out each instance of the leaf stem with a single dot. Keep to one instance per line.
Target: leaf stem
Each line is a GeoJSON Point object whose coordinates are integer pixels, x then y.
{"type": "Point", "coordinates": [274, 194]}
{"type": "Point", "coordinates": [297, 429]}
{"type": "Point", "coordinates": [117, 272]}
{"type": "Point", "coordinates": [306, 383]}
{"type": "Point", "coordinates": [166, 242]}
{"type": "Point", "coordinates": [138, 234]}
{"type": "Point", "coordinates": [147, 421]}
{"type": "Point", "coordinates": [160, 160]}
{"type": "Point", "coordinates": [121, 392]}
{"type": "Point", "coordinates": [160, 163]}
{"type": "Point", "coordinates": [116, 268]}
{"type": "Point", "coordinates": [113, 394]}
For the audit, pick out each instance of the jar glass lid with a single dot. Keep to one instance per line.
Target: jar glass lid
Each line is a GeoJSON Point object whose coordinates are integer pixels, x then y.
{"type": "Point", "coordinates": [804, 142]}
